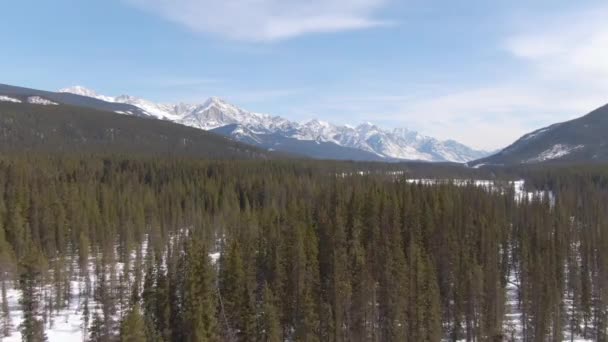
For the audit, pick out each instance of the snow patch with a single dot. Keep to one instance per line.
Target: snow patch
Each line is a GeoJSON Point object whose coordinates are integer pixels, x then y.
{"type": "Point", "coordinates": [41, 101]}
{"type": "Point", "coordinates": [519, 187]}
{"type": "Point", "coordinates": [4, 98]}
{"type": "Point", "coordinates": [214, 257]}
{"type": "Point", "coordinates": [555, 152]}
{"type": "Point", "coordinates": [536, 134]}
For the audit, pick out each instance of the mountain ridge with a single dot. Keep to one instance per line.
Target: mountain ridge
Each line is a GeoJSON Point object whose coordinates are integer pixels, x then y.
{"type": "Point", "coordinates": [374, 143]}
{"type": "Point", "coordinates": [582, 139]}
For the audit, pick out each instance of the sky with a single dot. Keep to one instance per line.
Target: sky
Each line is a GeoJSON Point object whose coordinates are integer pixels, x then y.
{"type": "Point", "coordinates": [477, 71]}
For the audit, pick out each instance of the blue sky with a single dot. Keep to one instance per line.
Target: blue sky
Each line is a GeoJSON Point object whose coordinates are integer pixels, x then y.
{"type": "Point", "coordinates": [481, 72]}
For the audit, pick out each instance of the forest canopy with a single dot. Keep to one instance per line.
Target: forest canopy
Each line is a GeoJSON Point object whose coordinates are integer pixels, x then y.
{"type": "Point", "coordinates": [190, 250]}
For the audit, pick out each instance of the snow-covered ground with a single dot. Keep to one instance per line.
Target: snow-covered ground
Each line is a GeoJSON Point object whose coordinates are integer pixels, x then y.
{"type": "Point", "coordinates": [512, 322]}
{"type": "Point", "coordinates": [64, 325]}
{"type": "Point", "coordinates": [68, 324]}
{"type": "Point", "coordinates": [518, 186]}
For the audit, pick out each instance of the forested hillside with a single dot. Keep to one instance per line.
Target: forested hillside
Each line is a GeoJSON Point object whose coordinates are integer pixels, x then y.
{"type": "Point", "coordinates": [167, 250]}
{"type": "Point", "coordinates": [70, 129]}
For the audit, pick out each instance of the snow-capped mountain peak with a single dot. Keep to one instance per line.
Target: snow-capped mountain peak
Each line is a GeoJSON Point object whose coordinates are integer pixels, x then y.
{"type": "Point", "coordinates": [125, 98]}
{"type": "Point", "coordinates": [217, 101]}
{"type": "Point", "coordinates": [216, 113]}
{"type": "Point", "coordinates": [366, 126]}
{"type": "Point", "coordinates": [83, 91]}
{"type": "Point", "coordinates": [79, 90]}
{"type": "Point", "coordinates": [318, 124]}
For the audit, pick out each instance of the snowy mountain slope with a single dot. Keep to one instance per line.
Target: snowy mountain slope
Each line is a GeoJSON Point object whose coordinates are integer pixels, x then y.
{"type": "Point", "coordinates": [308, 148]}
{"type": "Point", "coordinates": [268, 131]}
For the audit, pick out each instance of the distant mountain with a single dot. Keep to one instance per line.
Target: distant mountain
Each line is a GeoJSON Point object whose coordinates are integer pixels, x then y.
{"type": "Point", "coordinates": [309, 148]}
{"type": "Point", "coordinates": [315, 139]}
{"type": "Point", "coordinates": [31, 120]}
{"type": "Point", "coordinates": [581, 140]}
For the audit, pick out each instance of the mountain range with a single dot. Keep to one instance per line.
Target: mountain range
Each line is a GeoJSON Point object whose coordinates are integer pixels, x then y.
{"type": "Point", "coordinates": [316, 139]}
{"type": "Point", "coordinates": [579, 140]}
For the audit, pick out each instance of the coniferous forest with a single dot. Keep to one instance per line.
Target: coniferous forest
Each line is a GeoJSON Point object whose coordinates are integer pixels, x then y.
{"type": "Point", "coordinates": [186, 250]}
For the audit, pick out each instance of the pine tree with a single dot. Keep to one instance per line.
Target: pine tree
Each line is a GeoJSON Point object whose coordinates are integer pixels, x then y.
{"type": "Point", "coordinates": [199, 301]}
{"type": "Point", "coordinates": [133, 328]}
{"type": "Point", "coordinates": [32, 327]}
{"type": "Point", "coordinates": [233, 289]}
{"type": "Point", "coordinates": [6, 261]}
{"type": "Point", "coordinates": [271, 325]}
{"type": "Point", "coordinates": [5, 316]}
{"type": "Point", "coordinates": [96, 331]}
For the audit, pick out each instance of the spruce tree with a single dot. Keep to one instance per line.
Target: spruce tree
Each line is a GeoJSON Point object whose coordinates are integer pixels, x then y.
{"type": "Point", "coordinates": [133, 328]}
{"type": "Point", "coordinates": [199, 298]}
{"type": "Point", "coordinates": [271, 324]}
{"type": "Point", "coordinates": [32, 327]}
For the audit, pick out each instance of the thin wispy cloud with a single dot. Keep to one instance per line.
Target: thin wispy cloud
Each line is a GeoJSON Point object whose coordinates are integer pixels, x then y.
{"type": "Point", "coordinates": [571, 46]}
{"type": "Point", "coordinates": [267, 20]}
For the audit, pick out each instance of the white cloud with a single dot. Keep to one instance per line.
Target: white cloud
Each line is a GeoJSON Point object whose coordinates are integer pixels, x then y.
{"type": "Point", "coordinates": [267, 20]}
{"type": "Point", "coordinates": [572, 46]}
